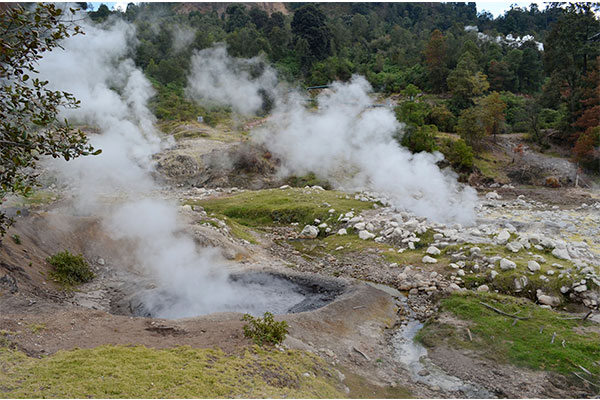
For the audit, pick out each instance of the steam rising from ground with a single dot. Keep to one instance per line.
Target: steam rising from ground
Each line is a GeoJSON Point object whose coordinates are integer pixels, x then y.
{"type": "Point", "coordinates": [219, 79]}
{"type": "Point", "coordinates": [114, 94]}
{"type": "Point", "coordinates": [346, 141]}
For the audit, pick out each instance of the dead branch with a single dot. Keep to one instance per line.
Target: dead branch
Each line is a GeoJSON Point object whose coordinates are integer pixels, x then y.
{"type": "Point", "coordinates": [502, 312]}
{"type": "Point", "coordinates": [469, 332]}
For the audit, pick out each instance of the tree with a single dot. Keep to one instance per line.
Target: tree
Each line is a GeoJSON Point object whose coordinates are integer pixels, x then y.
{"type": "Point", "coordinates": [570, 49]}
{"type": "Point", "coordinates": [465, 82]}
{"type": "Point", "coordinates": [491, 110]}
{"type": "Point", "coordinates": [259, 17]}
{"type": "Point", "coordinates": [310, 24]}
{"type": "Point", "coordinates": [470, 126]}
{"type": "Point", "coordinates": [237, 17]}
{"type": "Point", "coordinates": [28, 109]}
{"type": "Point", "coordinates": [435, 60]}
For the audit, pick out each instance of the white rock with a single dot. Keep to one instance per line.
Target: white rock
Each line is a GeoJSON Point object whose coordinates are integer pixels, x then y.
{"type": "Point", "coordinates": [323, 225]}
{"type": "Point", "coordinates": [580, 288]}
{"type": "Point", "coordinates": [483, 288]}
{"type": "Point", "coordinates": [186, 208]}
{"type": "Point", "coordinates": [533, 266]}
{"type": "Point", "coordinates": [493, 274]}
{"type": "Point", "coordinates": [331, 210]}
{"type": "Point", "coordinates": [342, 232]}
{"type": "Point", "coordinates": [539, 258]}
{"type": "Point", "coordinates": [453, 287]}
{"type": "Point", "coordinates": [493, 196]}
{"type": "Point", "coordinates": [460, 272]}
{"type": "Point", "coordinates": [309, 232]}
{"type": "Point", "coordinates": [547, 300]}
{"type": "Point", "coordinates": [100, 261]}
{"type": "Point", "coordinates": [503, 237]}
{"type": "Point", "coordinates": [360, 226]}
{"type": "Point", "coordinates": [454, 266]}
{"type": "Point", "coordinates": [429, 260]}
{"type": "Point", "coordinates": [365, 235]}
{"type": "Point", "coordinates": [411, 245]}
{"type": "Point", "coordinates": [506, 264]}
{"type": "Point", "coordinates": [515, 247]}
{"type": "Point", "coordinates": [520, 283]}
{"type": "Point", "coordinates": [433, 250]}
{"type": "Point", "coordinates": [562, 254]}
{"type": "Point", "coordinates": [475, 250]}
{"type": "Point", "coordinates": [284, 187]}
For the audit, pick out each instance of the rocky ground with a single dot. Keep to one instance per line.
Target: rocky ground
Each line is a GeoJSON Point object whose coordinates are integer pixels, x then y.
{"type": "Point", "coordinates": [540, 244]}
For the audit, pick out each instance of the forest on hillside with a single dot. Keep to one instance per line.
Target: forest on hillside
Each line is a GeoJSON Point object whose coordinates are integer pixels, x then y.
{"type": "Point", "coordinates": [451, 68]}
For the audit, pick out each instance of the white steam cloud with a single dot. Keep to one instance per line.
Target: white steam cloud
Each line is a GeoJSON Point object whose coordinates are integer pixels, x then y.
{"type": "Point", "coordinates": [346, 141]}
{"type": "Point", "coordinates": [223, 80]}
{"type": "Point", "coordinates": [114, 93]}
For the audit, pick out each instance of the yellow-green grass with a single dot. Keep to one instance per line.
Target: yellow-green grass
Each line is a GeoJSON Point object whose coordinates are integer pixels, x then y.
{"type": "Point", "coordinates": [34, 198]}
{"type": "Point", "coordinates": [182, 372]}
{"type": "Point", "coordinates": [276, 206]}
{"type": "Point", "coordinates": [526, 343]}
{"type": "Point", "coordinates": [491, 166]}
{"type": "Point", "coordinates": [340, 246]}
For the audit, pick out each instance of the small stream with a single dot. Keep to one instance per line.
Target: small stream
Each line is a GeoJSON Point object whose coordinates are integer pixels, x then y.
{"type": "Point", "coordinates": [413, 356]}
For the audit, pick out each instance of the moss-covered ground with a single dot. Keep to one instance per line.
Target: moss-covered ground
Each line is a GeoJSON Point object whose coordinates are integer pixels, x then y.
{"type": "Point", "coordinates": [282, 206]}
{"type": "Point", "coordinates": [527, 343]}
{"type": "Point", "coordinates": [183, 372]}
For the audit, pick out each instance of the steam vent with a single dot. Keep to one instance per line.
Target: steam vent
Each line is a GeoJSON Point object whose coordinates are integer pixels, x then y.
{"type": "Point", "coordinates": [299, 200]}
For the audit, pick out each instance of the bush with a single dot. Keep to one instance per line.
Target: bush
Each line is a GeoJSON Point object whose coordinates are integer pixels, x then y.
{"type": "Point", "coordinates": [70, 269]}
{"type": "Point", "coordinates": [265, 330]}
{"type": "Point", "coordinates": [441, 117]}
{"type": "Point", "coordinates": [420, 139]}
{"type": "Point", "coordinates": [458, 153]}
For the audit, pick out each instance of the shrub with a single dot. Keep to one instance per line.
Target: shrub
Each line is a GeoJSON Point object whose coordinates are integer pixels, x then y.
{"type": "Point", "coordinates": [441, 117]}
{"type": "Point", "coordinates": [420, 139]}
{"type": "Point", "coordinates": [70, 269]}
{"type": "Point", "coordinates": [265, 330]}
{"type": "Point", "coordinates": [458, 153]}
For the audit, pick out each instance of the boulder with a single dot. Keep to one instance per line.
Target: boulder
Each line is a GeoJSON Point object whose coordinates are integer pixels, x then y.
{"type": "Point", "coordinates": [515, 247]}
{"type": "Point", "coordinates": [365, 235]}
{"type": "Point", "coordinates": [506, 264]}
{"type": "Point", "coordinates": [533, 266]}
{"type": "Point", "coordinates": [502, 237]}
{"type": "Point", "coordinates": [520, 283]}
{"type": "Point", "coordinates": [453, 287]}
{"type": "Point", "coordinates": [493, 196]}
{"type": "Point", "coordinates": [562, 254]}
{"type": "Point", "coordinates": [342, 232]}
{"type": "Point", "coordinates": [309, 232]}
{"type": "Point", "coordinates": [434, 251]}
{"type": "Point", "coordinates": [493, 274]}
{"type": "Point", "coordinates": [483, 288]}
{"type": "Point", "coordinates": [580, 288]}
{"type": "Point", "coordinates": [429, 260]}
{"type": "Point", "coordinates": [360, 226]}
{"type": "Point", "coordinates": [547, 300]}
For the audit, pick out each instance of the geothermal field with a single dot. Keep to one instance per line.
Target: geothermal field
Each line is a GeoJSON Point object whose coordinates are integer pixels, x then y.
{"type": "Point", "coordinates": [395, 275]}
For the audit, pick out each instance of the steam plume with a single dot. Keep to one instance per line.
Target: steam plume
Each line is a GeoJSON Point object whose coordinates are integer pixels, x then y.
{"type": "Point", "coordinates": [114, 94]}
{"type": "Point", "coordinates": [346, 141]}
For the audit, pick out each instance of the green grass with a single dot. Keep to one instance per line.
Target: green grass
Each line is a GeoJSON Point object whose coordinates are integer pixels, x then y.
{"type": "Point", "coordinates": [183, 372]}
{"type": "Point", "coordinates": [497, 337]}
{"type": "Point", "coordinates": [275, 206]}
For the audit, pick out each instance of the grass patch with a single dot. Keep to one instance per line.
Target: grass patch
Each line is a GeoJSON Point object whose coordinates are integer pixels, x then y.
{"type": "Point", "coordinates": [70, 269]}
{"type": "Point", "coordinates": [337, 245]}
{"type": "Point", "coordinates": [491, 166]}
{"type": "Point", "coordinates": [309, 179]}
{"type": "Point", "coordinates": [182, 372]}
{"type": "Point", "coordinates": [526, 343]}
{"type": "Point", "coordinates": [276, 206]}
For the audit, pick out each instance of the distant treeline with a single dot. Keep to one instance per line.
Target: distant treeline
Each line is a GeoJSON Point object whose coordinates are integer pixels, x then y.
{"type": "Point", "coordinates": [540, 67]}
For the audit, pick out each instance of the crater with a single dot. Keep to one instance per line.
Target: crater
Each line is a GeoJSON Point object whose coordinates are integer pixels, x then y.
{"type": "Point", "coordinates": [253, 292]}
